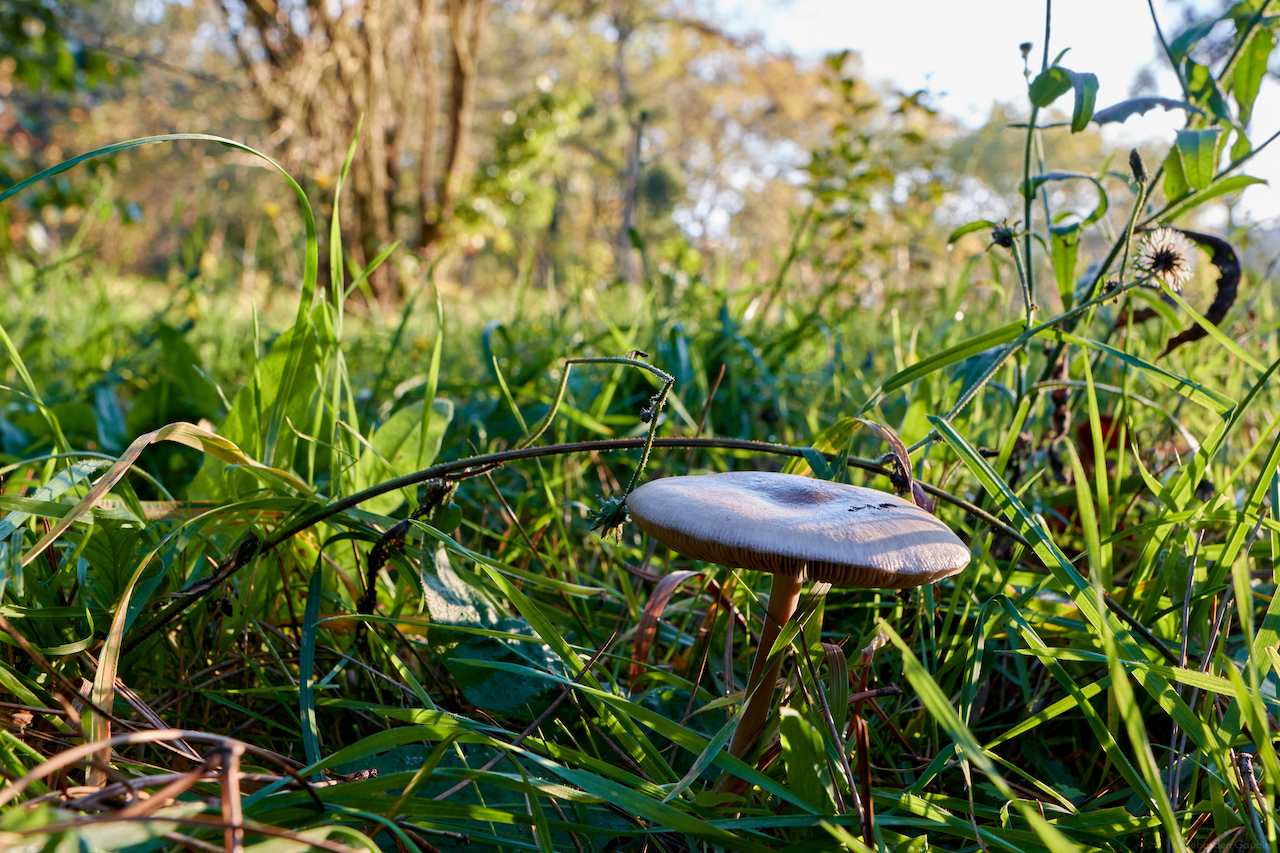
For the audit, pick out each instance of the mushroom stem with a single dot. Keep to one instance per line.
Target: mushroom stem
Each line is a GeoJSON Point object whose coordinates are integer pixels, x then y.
{"type": "Point", "coordinates": [784, 594]}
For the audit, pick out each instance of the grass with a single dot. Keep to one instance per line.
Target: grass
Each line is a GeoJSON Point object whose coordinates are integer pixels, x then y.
{"type": "Point", "coordinates": [188, 663]}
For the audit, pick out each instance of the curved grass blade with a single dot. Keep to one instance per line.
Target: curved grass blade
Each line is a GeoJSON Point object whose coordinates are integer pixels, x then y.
{"type": "Point", "coordinates": [181, 433]}
{"type": "Point", "coordinates": [306, 670]}
{"type": "Point", "coordinates": [939, 707]}
{"type": "Point", "coordinates": [959, 352]}
{"type": "Point", "coordinates": [312, 263]}
{"type": "Point", "coordinates": [1212, 400]}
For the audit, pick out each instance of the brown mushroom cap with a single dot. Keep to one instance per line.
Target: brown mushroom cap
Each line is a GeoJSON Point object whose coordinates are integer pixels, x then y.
{"type": "Point", "coordinates": [784, 524]}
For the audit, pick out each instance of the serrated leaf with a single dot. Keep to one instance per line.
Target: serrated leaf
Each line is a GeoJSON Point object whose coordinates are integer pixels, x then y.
{"type": "Point", "coordinates": [1141, 106]}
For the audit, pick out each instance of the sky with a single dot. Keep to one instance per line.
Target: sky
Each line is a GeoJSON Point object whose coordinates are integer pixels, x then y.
{"type": "Point", "coordinates": [966, 52]}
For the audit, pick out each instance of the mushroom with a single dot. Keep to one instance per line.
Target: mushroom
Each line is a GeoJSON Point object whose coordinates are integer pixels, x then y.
{"type": "Point", "coordinates": [791, 526]}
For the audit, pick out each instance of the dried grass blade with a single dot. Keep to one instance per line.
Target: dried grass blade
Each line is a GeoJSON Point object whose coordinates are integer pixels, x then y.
{"type": "Point", "coordinates": [652, 615]}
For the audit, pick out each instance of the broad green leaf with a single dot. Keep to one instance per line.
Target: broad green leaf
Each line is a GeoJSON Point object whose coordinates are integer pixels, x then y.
{"type": "Point", "coordinates": [282, 387]}
{"type": "Point", "coordinates": [1065, 242]}
{"type": "Point", "coordinates": [1202, 85]}
{"type": "Point", "coordinates": [1056, 81]}
{"type": "Point", "coordinates": [1175, 179]}
{"type": "Point", "coordinates": [1086, 95]}
{"type": "Point", "coordinates": [12, 534]}
{"type": "Point", "coordinates": [806, 761]}
{"type": "Point", "coordinates": [1235, 183]}
{"type": "Point", "coordinates": [1241, 147]}
{"type": "Point", "coordinates": [1199, 150]}
{"type": "Point", "coordinates": [397, 449]}
{"type": "Point", "coordinates": [1049, 85]}
{"type": "Point", "coordinates": [1251, 67]}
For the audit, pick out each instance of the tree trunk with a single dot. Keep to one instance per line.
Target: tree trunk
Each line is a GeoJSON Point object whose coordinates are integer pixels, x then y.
{"type": "Point", "coordinates": [424, 48]}
{"type": "Point", "coordinates": [466, 23]}
{"type": "Point", "coordinates": [624, 252]}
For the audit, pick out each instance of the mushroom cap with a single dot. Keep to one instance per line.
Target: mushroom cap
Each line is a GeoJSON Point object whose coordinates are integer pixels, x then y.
{"type": "Point", "coordinates": [785, 524]}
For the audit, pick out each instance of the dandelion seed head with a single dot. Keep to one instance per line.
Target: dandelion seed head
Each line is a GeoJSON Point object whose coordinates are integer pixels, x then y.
{"type": "Point", "coordinates": [1167, 255]}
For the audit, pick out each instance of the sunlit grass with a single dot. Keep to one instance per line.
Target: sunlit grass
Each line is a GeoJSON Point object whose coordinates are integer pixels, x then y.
{"type": "Point", "coordinates": [245, 614]}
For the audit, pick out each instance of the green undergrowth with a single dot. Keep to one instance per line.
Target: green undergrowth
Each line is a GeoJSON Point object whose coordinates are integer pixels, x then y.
{"type": "Point", "coordinates": [196, 499]}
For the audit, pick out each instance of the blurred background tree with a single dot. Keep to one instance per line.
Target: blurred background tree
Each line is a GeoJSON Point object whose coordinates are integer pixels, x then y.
{"type": "Point", "coordinates": [50, 74]}
{"type": "Point", "coordinates": [537, 141]}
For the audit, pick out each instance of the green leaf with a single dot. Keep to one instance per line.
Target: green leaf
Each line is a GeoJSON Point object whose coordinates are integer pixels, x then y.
{"type": "Point", "coordinates": [397, 448]}
{"type": "Point", "coordinates": [935, 701]}
{"type": "Point", "coordinates": [1056, 81]}
{"type": "Point", "coordinates": [1141, 106]}
{"type": "Point", "coordinates": [663, 814]}
{"type": "Point", "coordinates": [306, 671]}
{"type": "Point", "coordinates": [275, 392]}
{"type": "Point", "coordinates": [1074, 583]}
{"type": "Point", "coordinates": [818, 463]}
{"type": "Point", "coordinates": [806, 760]}
{"type": "Point", "coordinates": [950, 356]}
{"type": "Point", "coordinates": [969, 229]}
{"type": "Point", "coordinates": [1241, 147]}
{"type": "Point", "coordinates": [111, 554]}
{"type": "Point", "coordinates": [1212, 400]}
{"type": "Point", "coordinates": [11, 533]}
{"type": "Point", "coordinates": [1199, 149]}
{"type": "Point", "coordinates": [1202, 85]}
{"type": "Point", "coordinates": [1065, 243]}
{"type": "Point", "coordinates": [1251, 67]}
{"type": "Point", "coordinates": [1039, 180]}
{"type": "Point", "coordinates": [1187, 39]}
{"type": "Point", "coordinates": [1235, 183]}
{"type": "Point", "coordinates": [1140, 743]}
{"type": "Point", "coordinates": [1086, 87]}
{"type": "Point", "coordinates": [1049, 85]}
{"type": "Point", "coordinates": [1175, 179]}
